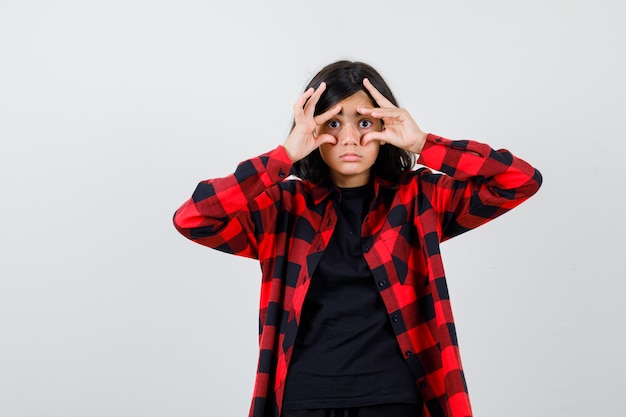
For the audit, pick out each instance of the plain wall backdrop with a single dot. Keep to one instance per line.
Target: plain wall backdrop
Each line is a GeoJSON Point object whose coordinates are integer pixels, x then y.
{"type": "Point", "coordinates": [112, 111]}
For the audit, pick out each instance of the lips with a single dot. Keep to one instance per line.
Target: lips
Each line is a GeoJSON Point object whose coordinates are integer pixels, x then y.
{"type": "Point", "coordinates": [350, 157]}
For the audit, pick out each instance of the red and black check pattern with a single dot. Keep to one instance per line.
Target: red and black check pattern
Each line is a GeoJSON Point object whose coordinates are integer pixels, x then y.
{"type": "Point", "coordinates": [287, 225]}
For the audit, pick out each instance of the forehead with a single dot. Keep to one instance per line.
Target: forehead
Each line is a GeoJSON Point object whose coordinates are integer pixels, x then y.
{"type": "Point", "coordinates": [358, 99]}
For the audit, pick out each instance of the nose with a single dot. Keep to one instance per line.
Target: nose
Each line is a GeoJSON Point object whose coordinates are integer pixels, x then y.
{"type": "Point", "coordinates": [350, 135]}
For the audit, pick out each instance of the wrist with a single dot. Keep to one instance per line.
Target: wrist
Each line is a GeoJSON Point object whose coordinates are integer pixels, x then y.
{"type": "Point", "coordinates": [419, 143]}
{"type": "Point", "coordinates": [290, 154]}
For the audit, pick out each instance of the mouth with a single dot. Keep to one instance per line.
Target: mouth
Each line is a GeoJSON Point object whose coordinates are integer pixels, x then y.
{"type": "Point", "coordinates": [350, 157]}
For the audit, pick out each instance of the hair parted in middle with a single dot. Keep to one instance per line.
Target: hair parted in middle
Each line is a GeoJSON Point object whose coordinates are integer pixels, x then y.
{"type": "Point", "coordinates": [343, 79]}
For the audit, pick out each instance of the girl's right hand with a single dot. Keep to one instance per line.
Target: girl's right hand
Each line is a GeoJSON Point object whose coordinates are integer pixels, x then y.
{"type": "Point", "coordinates": [303, 138]}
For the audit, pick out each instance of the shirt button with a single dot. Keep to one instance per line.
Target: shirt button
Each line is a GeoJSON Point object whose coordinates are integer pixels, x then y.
{"type": "Point", "coordinates": [438, 140]}
{"type": "Point", "coordinates": [395, 318]}
{"type": "Point", "coordinates": [366, 249]}
{"type": "Point", "coordinates": [281, 173]}
{"type": "Point", "coordinates": [408, 353]}
{"type": "Point", "coordinates": [382, 283]}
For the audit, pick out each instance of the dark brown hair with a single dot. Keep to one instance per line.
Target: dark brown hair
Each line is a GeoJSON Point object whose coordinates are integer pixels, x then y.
{"type": "Point", "coordinates": [343, 79]}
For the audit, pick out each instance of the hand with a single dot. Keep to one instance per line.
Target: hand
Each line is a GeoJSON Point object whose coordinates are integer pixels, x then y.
{"type": "Point", "coordinates": [303, 138]}
{"type": "Point", "coordinates": [399, 128]}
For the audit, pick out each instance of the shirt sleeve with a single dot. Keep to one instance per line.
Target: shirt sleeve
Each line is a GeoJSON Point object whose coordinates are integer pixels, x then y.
{"type": "Point", "coordinates": [480, 183]}
{"type": "Point", "coordinates": [220, 212]}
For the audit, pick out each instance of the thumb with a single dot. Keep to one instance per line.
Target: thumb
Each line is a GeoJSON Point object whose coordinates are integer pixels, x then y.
{"type": "Point", "coordinates": [325, 138]}
{"type": "Point", "coordinates": [371, 136]}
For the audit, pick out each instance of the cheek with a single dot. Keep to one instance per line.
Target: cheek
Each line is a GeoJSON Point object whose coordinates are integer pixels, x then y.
{"type": "Point", "coordinates": [373, 148]}
{"type": "Point", "coordinates": [325, 150]}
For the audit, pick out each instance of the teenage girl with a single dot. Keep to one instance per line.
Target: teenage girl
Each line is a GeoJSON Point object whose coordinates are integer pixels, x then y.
{"type": "Point", "coordinates": [355, 318]}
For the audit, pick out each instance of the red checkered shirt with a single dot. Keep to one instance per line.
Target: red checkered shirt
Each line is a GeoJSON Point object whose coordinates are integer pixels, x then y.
{"type": "Point", "coordinates": [287, 224]}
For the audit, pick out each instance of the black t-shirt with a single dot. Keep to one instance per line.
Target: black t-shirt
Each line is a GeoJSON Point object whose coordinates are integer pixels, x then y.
{"type": "Point", "coordinates": [346, 354]}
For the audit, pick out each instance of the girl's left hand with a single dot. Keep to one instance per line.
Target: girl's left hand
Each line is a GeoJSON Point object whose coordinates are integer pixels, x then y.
{"type": "Point", "coordinates": [399, 128]}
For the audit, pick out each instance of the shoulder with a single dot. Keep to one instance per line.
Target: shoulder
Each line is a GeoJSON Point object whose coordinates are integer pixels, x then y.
{"type": "Point", "coordinates": [421, 181]}
{"type": "Point", "coordinates": [296, 188]}
{"type": "Point", "coordinates": [419, 175]}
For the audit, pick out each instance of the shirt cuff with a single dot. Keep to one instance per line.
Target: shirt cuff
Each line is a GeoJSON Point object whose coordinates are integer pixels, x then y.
{"type": "Point", "coordinates": [278, 164]}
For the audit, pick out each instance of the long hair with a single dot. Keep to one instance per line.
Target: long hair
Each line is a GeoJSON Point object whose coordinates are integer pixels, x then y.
{"type": "Point", "coordinates": [343, 79]}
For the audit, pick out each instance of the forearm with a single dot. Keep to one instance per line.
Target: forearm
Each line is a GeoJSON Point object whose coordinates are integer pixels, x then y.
{"type": "Point", "coordinates": [215, 202]}
{"type": "Point", "coordinates": [466, 160]}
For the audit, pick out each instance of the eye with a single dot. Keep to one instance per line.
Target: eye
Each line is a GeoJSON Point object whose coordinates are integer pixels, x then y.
{"type": "Point", "coordinates": [364, 124]}
{"type": "Point", "coordinates": [333, 124]}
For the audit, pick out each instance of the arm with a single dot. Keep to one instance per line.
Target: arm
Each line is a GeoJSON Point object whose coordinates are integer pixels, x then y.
{"type": "Point", "coordinates": [223, 213]}
{"type": "Point", "coordinates": [220, 212]}
{"type": "Point", "coordinates": [481, 183]}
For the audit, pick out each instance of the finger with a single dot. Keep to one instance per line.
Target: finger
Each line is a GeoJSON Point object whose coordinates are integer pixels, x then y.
{"type": "Point", "coordinates": [368, 111]}
{"type": "Point", "coordinates": [380, 99]}
{"type": "Point", "coordinates": [388, 114]}
{"type": "Point", "coordinates": [299, 106]}
{"type": "Point", "coordinates": [327, 115]}
{"type": "Point", "coordinates": [312, 102]}
{"type": "Point", "coordinates": [325, 138]}
{"type": "Point", "coordinates": [372, 136]}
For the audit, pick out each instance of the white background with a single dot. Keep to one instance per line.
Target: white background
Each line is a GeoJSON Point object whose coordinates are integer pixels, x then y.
{"type": "Point", "coordinates": [112, 111]}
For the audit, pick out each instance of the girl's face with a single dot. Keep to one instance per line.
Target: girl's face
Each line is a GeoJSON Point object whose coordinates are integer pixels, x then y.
{"type": "Point", "coordinates": [349, 162]}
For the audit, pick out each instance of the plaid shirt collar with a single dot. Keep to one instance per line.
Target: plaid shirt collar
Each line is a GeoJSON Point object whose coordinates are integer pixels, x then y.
{"type": "Point", "coordinates": [321, 191]}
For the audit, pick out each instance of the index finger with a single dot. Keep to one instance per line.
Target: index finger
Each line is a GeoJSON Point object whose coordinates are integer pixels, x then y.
{"type": "Point", "coordinates": [299, 106]}
{"type": "Point", "coordinates": [327, 115]}
{"type": "Point", "coordinates": [314, 98]}
{"type": "Point", "coordinates": [380, 99]}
